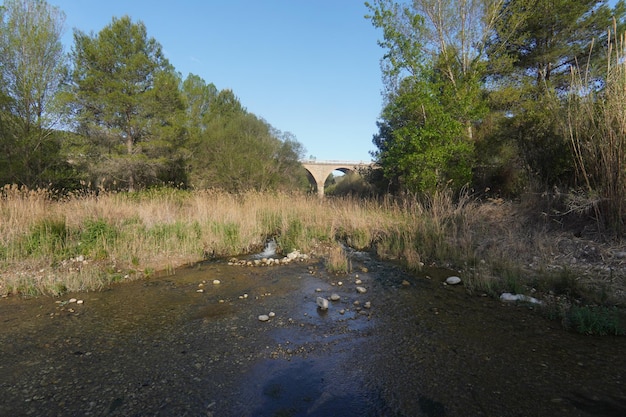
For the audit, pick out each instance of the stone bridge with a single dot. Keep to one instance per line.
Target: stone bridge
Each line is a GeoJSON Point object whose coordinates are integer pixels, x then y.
{"type": "Point", "coordinates": [320, 170]}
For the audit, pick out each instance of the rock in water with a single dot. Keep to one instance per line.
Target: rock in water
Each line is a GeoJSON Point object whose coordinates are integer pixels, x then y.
{"type": "Point", "coordinates": [453, 280]}
{"type": "Point", "coordinates": [361, 290]}
{"type": "Point", "coordinates": [322, 303]}
{"type": "Point", "coordinates": [335, 297]}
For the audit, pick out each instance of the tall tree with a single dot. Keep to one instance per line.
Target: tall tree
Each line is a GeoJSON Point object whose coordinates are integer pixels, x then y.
{"type": "Point", "coordinates": [543, 39]}
{"type": "Point", "coordinates": [32, 69]}
{"type": "Point", "coordinates": [432, 69]}
{"type": "Point", "coordinates": [236, 151]}
{"type": "Point", "coordinates": [534, 46]}
{"type": "Point", "coordinates": [125, 95]}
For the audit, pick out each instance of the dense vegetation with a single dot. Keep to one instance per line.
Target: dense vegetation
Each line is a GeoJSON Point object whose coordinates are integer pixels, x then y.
{"type": "Point", "coordinates": [115, 114]}
{"type": "Point", "coordinates": [507, 96]}
{"type": "Point", "coordinates": [499, 96]}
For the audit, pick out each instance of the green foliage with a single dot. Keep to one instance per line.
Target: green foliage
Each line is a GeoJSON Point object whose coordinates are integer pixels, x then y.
{"type": "Point", "coordinates": [420, 144]}
{"type": "Point", "coordinates": [291, 238]}
{"type": "Point", "coordinates": [128, 104]}
{"type": "Point", "coordinates": [48, 237]}
{"type": "Point", "coordinates": [540, 39]}
{"type": "Point", "coordinates": [595, 320]}
{"type": "Point", "coordinates": [433, 99]}
{"type": "Point", "coordinates": [97, 237]}
{"type": "Point", "coordinates": [32, 70]}
{"type": "Point", "coordinates": [229, 236]}
{"type": "Point", "coordinates": [235, 150]}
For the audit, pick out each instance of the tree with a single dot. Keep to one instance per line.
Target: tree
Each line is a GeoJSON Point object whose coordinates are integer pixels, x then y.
{"type": "Point", "coordinates": [543, 39]}
{"type": "Point", "coordinates": [127, 104]}
{"type": "Point", "coordinates": [32, 69]}
{"type": "Point", "coordinates": [534, 46]}
{"type": "Point", "coordinates": [421, 146]}
{"type": "Point", "coordinates": [432, 71]}
{"type": "Point", "coordinates": [235, 150]}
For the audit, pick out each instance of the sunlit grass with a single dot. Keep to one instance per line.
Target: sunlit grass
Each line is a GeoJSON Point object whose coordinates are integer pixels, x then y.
{"type": "Point", "coordinates": [50, 245]}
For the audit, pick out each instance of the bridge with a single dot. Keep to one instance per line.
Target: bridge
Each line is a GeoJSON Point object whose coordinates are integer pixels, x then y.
{"type": "Point", "coordinates": [320, 170]}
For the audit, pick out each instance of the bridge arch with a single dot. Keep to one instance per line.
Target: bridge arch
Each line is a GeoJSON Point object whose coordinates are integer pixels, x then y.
{"type": "Point", "coordinates": [320, 170]}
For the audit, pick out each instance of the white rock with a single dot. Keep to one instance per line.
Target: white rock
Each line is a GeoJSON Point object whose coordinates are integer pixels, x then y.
{"type": "Point", "coordinates": [72, 300]}
{"type": "Point", "coordinates": [453, 280]}
{"type": "Point", "coordinates": [322, 303]}
{"type": "Point", "coordinates": [361, 290]}
{"type": "Point", "coordinates": [271, 314]}
{"type": "Point", "coordinates": [264, 317]}
{"type": "Point", "coordinates": [200, 290]}
{"type": "Point", "coordinates": [79, 301]}
{"type": "Point", "coordinates": [367, 304]}
{"type": "Point", "coordinates": [358, 282]}
{"type": "Point", "coordinates": [340, 283]}
{"type": "Point", "coordinates": [334, 297]}
{"type": "Point", "coordinates": [216, 282]}
{"type": "Point", "coordinates": [507, 296]}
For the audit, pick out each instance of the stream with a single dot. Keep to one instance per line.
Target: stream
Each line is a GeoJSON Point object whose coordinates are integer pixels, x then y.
{"type": "Point", "coordinates": [181, 345]}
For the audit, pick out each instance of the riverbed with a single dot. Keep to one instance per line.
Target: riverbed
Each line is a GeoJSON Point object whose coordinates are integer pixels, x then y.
{"type": "Point", "coordinates": [182, 345]}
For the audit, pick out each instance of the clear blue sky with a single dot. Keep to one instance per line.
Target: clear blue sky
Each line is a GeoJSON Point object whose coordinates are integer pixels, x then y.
{"type": "Point", "coordinates": [309, 67]}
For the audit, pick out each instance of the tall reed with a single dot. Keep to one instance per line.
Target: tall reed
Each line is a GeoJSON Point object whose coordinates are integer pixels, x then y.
{"type": "Point", "coordinates": [596, 127]}
{"type": "Point", "coordinates": [50, 244]}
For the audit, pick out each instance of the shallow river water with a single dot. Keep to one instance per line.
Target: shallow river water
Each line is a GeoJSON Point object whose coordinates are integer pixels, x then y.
{"type": "Point", "coordinates": [158, 347]}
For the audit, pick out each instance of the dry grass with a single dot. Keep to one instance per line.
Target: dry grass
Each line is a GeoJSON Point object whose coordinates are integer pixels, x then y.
{"type": "Point", "coordinates": [50, 245]}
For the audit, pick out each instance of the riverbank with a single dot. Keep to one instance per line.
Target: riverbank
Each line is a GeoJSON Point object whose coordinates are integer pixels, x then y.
{"type": "Point", "coordinates": [161, 347]}
{"type": "Point", "coordinates": [52, 245]}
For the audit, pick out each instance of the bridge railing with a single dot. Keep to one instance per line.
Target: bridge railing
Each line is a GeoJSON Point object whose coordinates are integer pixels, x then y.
{"type": "Point", "coordinates": [333, 162]}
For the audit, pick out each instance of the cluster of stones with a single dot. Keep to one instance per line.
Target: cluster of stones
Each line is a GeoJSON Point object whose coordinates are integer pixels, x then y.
{"type": "Point", "coordinates": [201, 285]}
{"type": "Point", "coordinates": [63, 304]}
{"type": "Point", "coordinates": [291, 257]}
{"type": "Point", "coordinates": [323, 303]}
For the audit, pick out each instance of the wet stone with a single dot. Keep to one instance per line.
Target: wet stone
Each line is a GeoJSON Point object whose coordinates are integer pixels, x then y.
{"type": "Point", "coordinates": [322, 303]}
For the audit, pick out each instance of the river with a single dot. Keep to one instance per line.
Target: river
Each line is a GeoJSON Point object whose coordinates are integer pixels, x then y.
{"type": "Point", "coordinates": [180, 345]}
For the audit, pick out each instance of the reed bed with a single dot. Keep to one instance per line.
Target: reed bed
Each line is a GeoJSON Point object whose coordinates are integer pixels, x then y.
{"type": "Point", "coordinates": [51, 244]}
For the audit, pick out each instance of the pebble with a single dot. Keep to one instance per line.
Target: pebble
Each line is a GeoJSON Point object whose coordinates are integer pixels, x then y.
{"type": "Point", "coordinates": [216, 282]}
{"type": "Point", "coordinates": [367, 304]}
{"type": "Point", "coordinates": [271, 314]}
{"type": "Point", "coordinates": [361, 290]}
{"type": "Point", "coordinates": [322, 303]}
{"type": "Point", "coordinates": [200, 290]}
{"type": "Point", "coordinates": [264, 317]}
{"type": "Point", "coordinates": [405, 283]}
{"type": "Point", "coordinates": [72, 300]}
{"type": "Point", "coordinates": [340, 283]}
{"type": "Point", "coordinates": [79, 301]}
{"type": "Point", "coordinates": [358, 282]}
{"type": "Point", "coordinates": [335, 297]}
{"type": "Point", "coordinates": [318, 290]}
{"type": "Point", "coordinates": [453, 280]}
{"type": "Point", "coordinates": [342, 311]}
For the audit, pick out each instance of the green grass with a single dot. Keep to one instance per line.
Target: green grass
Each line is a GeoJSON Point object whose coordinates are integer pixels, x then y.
{"type": "Point", "coordinates": [595, 320]}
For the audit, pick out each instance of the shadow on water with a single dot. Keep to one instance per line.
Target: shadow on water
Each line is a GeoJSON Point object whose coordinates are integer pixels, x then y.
{"type": "Point", "coordinates": [307, 387]}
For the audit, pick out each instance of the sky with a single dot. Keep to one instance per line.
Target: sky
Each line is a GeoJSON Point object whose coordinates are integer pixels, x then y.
{"type": "Point", "coordinates": [308, 67]}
